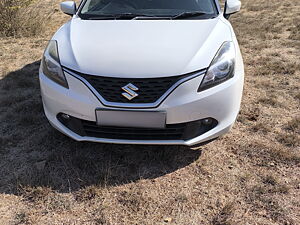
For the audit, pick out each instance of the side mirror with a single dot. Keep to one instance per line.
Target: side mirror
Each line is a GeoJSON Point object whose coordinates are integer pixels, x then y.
{"type": "Point", "coordinates": [68, 7]}
{"type": "Point", "coordinates": [231, 7]}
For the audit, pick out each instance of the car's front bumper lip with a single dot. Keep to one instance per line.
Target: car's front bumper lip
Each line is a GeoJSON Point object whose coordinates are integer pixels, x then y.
{"type": "Point", "coordinates": [184, 104]}
{"type": "Point", "coordinates": [57, 125]}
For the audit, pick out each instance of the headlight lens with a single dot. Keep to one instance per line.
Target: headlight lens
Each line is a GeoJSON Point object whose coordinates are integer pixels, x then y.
{"type": "Point", "coordinates": [51, 65]}
{"type": "Point", "coordinates": [221, 68]}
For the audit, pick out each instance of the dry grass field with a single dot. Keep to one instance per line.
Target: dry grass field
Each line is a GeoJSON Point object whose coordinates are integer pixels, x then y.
{"type": "Point", "coordinates": [249, 176]}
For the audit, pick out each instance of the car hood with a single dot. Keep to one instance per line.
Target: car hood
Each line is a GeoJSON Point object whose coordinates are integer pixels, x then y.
{"type": "Point", "coordinates": [140, 48]}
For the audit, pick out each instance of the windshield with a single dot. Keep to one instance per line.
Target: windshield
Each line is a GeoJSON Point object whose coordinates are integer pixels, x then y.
{"type": "Point", "coordinates": [148, 8]}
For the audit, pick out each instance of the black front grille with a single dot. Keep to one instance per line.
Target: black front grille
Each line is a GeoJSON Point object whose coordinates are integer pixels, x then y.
{"type": "Point", "coordinates": [181, 131]}
{"type": "Point", "coordinates": [150, 89]}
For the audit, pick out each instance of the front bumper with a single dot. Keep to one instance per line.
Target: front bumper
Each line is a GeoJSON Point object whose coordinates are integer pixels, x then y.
{"type": "Point", "coordinates": [183, 105]}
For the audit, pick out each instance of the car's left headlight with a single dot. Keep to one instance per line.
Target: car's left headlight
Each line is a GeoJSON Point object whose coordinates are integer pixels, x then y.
{"type": "Point", "coordinates": [51, 65]}
{"type": "Point", "coordinates": [221, 68]}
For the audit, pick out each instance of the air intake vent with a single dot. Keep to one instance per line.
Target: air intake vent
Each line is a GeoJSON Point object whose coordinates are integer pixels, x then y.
{"type": "Point", "coordinates": [181, 131]}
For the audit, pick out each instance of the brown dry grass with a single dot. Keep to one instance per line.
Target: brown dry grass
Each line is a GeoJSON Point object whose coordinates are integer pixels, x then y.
{"type": "Point", "coordinates": [250, 176]}
{"type": "Point", "coordinates": [24, 18]}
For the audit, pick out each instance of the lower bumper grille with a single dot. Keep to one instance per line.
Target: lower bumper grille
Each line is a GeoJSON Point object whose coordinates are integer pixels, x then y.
{"type": "Point", "coordinates": [173, 132]}
{"type": "Point", "coordinates": [182, 131]}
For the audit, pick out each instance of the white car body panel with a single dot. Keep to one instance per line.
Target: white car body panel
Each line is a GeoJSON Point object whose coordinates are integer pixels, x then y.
{"type": "Point", "coordinates": [145, 49]}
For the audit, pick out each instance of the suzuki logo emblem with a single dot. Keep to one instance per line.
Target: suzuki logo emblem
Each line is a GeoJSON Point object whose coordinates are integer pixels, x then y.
{"type": "Point", "coordinates": [130, 91]}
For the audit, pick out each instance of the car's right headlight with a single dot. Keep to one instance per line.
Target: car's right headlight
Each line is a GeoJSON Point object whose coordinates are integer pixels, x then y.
{"type": "Point", "coordinates": [221, 68]}
{"type": "Point", "coordinates": [51, 65]}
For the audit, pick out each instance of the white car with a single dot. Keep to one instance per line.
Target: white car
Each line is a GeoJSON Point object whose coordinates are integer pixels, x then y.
{"type": "Point", "coordinates": [144, 72]}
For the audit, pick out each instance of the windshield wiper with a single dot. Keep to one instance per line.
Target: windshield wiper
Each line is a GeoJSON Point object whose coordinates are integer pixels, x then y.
{"type": "Point", "coordinates": [136, 16]}
{"type": "Point", "coordinates": [120, 16]}
{"type": "Point", "coordinates": [188, 15]}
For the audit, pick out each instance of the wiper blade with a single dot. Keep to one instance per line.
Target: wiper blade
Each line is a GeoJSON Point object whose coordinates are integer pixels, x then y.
{"type": "Point", "coordinates": [188, 15]}
{"type": "Point", "coordinates": [120, 16]}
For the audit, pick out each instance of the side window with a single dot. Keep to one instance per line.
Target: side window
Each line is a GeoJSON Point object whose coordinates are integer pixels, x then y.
{"type": "Point", "coordinates": [93, 3]}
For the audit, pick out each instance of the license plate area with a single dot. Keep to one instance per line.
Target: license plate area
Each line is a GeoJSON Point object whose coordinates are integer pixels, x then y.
{"type": "Point", "coordinates": [128, 118]}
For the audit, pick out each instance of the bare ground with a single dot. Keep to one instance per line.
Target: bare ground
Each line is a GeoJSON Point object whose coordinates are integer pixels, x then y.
{"type": "Point", "coordinates": [250, 176]}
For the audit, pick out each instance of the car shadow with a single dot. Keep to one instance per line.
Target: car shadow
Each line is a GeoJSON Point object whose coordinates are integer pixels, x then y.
{"type": "Point", "coordinates": [34, 154]}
